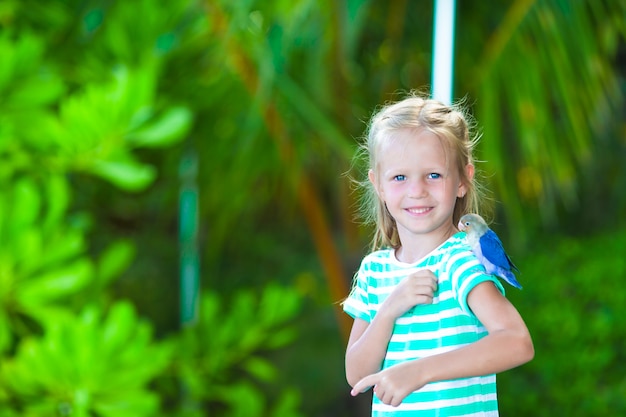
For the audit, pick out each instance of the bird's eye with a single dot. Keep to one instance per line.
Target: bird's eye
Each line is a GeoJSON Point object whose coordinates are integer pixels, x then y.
{"type": "Point", "coordinates": [467, 223]}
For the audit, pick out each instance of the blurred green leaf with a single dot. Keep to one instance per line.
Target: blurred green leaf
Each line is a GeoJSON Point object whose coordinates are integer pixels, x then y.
{"type": "Point", "coordinates": [25, 204]}
{"type": "Point", "coordinates": [126, 174]}
{"type": "Point", "coordinates": [242, 400]}
{"type": "Point", "coordinates": [76, 365]}
{"type": "Point", "coordinates": [57, 283]}
{"type": "Point", "coordinates": [232, 351]}
{"type": "Point", "coordinates": [24, 80]}
{"type": "Point", "coordinates": [165, 131]}
{"type": "Point", "coordinates": [62, 248]}
{"type": "Point", "coordinates": [28, 244]}
{"type": "Point", "coordinates": [99, 125]}
{"type": "Point", "coordinates": [5, 333]}
{"type": "Point", "coordinates": [577, 338]}
{"type": "Point", "coordinates": [58, 198]}
{"type": "Point", "coordinates": [541, 131]}
{"type": "Point", "coordinates": [42, 260]}
{"type": "Point", "coordinates": [288, 404]}
{"type": "Point", "coordinates": [260, 368]}
{"type": "Point", "coordinates": [43, 89]}
{"type": "Point", "coordinates": [126, 404]}
{"type": "Point", "coordinates": [115, 260]}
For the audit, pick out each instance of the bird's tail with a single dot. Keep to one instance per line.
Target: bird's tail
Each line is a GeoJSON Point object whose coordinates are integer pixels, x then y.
{"type": "Point", "coordinates": [509, 277]}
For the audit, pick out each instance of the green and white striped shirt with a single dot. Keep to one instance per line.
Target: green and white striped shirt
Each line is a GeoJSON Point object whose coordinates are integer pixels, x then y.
{"type": "Point", "coordinates": [429, 329]}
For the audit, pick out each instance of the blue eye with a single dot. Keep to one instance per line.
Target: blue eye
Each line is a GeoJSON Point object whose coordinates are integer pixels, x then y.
{"type": "Point", "coordinates": [399, 178]}
{"type": "Point", "coordinates": [433, 176]}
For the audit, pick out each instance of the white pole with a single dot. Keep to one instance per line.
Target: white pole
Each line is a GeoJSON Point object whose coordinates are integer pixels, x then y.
{"type": "Point", "coordinates": [443, 51]}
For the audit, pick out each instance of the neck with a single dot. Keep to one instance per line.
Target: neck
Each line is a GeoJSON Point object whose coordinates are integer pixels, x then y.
{"type": "Point", "coordinates": [415, 247]}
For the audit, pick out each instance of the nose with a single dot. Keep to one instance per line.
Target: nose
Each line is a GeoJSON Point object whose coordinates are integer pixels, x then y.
{"type": "Point", "coordinates": [417, 189]}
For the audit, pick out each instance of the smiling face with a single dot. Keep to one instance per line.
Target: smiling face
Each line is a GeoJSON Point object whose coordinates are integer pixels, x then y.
{"type": "Point", "coordinates": [419, 181]}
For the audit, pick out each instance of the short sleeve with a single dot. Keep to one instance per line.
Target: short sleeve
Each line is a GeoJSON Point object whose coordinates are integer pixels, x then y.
{"type": "Point", "coordinates": [466, 272]}
{"type": "Point", "coordinates": [357, 303]}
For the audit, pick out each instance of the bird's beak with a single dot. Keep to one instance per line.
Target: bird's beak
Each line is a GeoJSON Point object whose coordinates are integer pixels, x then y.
{"type": "Point", "coordinates": [461, 226]}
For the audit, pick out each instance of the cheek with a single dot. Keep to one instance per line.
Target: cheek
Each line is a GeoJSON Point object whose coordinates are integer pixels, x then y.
{"type": "Point", "coordinates": [392, 192]}
{"type": "Point", "coordinates": [385, 192]}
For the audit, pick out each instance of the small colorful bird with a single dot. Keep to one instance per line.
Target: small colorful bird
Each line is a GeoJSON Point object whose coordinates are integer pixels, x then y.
{"type": "Point", "coordinates": [488, 248]}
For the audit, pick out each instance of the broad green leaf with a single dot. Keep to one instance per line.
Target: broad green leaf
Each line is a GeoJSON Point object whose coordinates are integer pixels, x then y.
{"type": "Point", "coordinates": [58, 198]}
{"type": "Point", "coordinates": [43, 89]}
{"type": "Point", "coordinates": [128, 175]}
{"type": "Point", "coordinates": [62, 247]}
{"type": "Point", "coordinates": [69, 364]}
{"type": "Point", "coordinates": [119, 326]}
{"type": "Point", "coordinates": [27, 248]}
{"type": "Point", "coordinates": [47, 407]}
{"type": "Point", "coordinates": [4, 219]}
{"type": "Point", "coordinates": [165, 131]}
{"type": "Point", "coordinates": [281, 338]}
{"type": "Point", "coordinates": [19, 57]}
{"type": "Point", "coordinates": [278, 304]}
{"type": "Point", "coordinates": [260, 368]}
{"type": "Point", "coordinates": [58, 283]}
{"type": "Point", "coordinates": [6, 335]}
{"type": "Point", "coordinates": [288, 404]}
{"type": "Point", "coordinates": [25, 205]}
{"type": "Point", "coordinates": [114, 261]}
{"type": "Point", "coordinates": [128, 403]}
{"type": "Point", "coordinates": [243, 399]}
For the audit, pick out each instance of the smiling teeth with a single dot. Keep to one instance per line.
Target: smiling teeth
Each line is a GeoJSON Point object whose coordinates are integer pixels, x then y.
{"type": "Point", "coordinates": [418, 211]}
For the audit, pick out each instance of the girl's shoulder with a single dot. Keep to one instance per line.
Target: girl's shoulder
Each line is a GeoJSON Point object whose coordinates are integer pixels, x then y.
{"type": "Point", "coordinates": [456, 243]}
{"type": "Point", "coordinates": [379, 257]}
{"type": "Point", "coordinates": [456, 251]}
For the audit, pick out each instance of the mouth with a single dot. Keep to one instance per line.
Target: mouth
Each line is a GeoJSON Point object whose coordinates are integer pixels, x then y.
{"type": "Point", "coordinates": [419, 210]}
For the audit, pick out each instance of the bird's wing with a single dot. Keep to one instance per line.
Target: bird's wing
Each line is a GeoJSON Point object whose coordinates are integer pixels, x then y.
{"type": "Point", "coordinates": [494, 251]}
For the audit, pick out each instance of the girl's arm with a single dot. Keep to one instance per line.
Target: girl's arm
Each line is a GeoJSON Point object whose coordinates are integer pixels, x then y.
{"type": "Point", "coordinates": [367, 347]}
{"type": "Point", "coordinates": [507, 345]}
{"type": "Point", "coordinates": [368, 342]}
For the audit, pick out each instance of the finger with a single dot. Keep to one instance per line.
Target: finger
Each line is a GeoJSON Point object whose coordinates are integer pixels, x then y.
{"type": "Point", "coordinates": [427, 289]}
{"type": "Point", "coordinates": [364, 384]}
{"type": "Point", "coordinates": [425, 273]}
{"type": "Point", "coordinates": [424, 298]}
{"type": "Point", "coordinates": [429, 281]}
{"type": "Point", "coordinates": [431, 285]}
{"type": "Point", "coordinates": [389, 398]}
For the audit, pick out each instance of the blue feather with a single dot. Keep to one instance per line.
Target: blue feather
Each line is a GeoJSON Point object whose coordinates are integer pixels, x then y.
{"type": "Point", "coordinates": [497, 261]}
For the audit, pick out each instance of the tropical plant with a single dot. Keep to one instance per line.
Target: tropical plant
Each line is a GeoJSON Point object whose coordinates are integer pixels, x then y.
{"type": "Point", "coordinates": [572, 302]}
{"type": "Point", "coordinates": [222, 359]}
{"type": "Point", "coordinates": [42, 259]}
{"type": "Point", "coordinates": [59, 125]}
{"type": "Point", "coordinates": [100, 101]}
{"type": "Point", "coordinates": [86, 365]}
{"type": "Point", "coordinates": [546, 125]}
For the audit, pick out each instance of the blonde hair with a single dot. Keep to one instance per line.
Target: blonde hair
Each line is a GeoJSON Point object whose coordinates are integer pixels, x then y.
{"type": "Point", "coordinates": [454, 127]}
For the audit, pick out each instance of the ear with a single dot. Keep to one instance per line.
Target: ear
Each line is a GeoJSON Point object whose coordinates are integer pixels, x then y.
{"type": "Point", "coordinates": [371, 175]}
{"type": "Point", "coordinates": [469, 174]}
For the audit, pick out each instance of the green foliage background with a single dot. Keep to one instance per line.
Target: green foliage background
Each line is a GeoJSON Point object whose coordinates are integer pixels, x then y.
{"type": "Point", "coordinates": [101, 102]}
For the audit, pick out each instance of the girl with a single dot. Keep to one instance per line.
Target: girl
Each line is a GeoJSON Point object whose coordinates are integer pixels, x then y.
{"type": "Point", "coordinates": [431, 329]}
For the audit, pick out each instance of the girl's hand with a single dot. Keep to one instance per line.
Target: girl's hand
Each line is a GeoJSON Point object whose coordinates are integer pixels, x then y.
{"type": "Point", "coordinates": [417, 288]}
{"type": "Point", "coordinates": [393, 384]}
